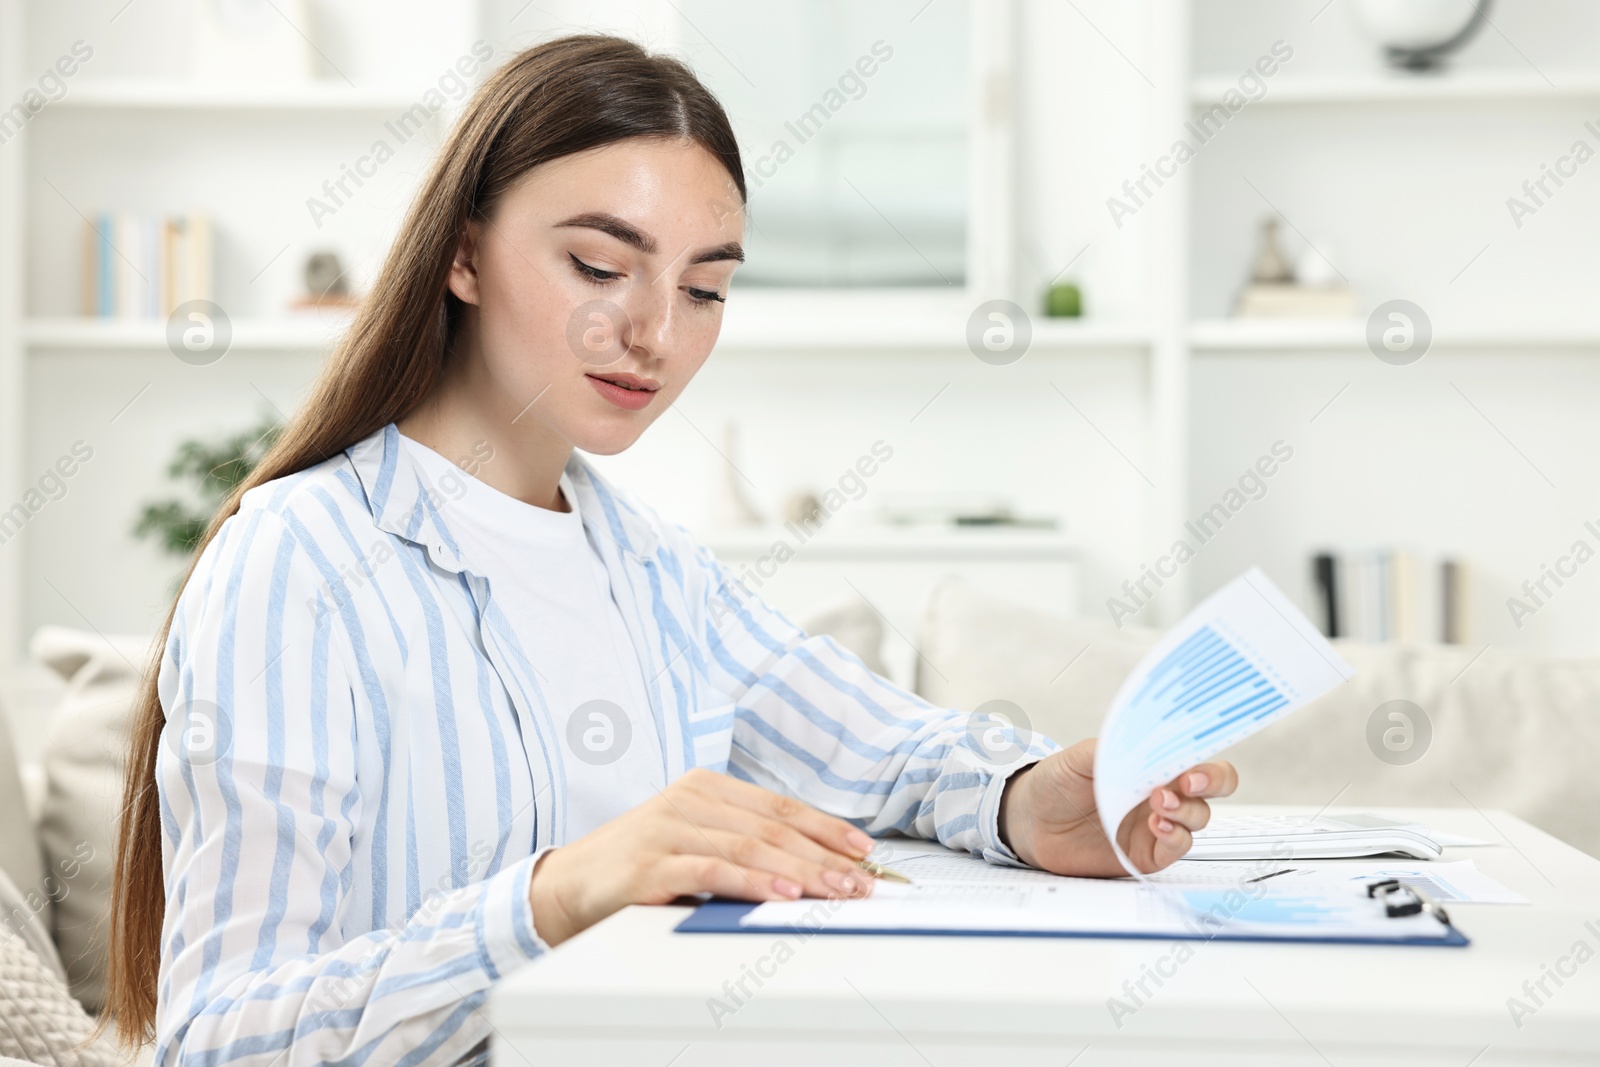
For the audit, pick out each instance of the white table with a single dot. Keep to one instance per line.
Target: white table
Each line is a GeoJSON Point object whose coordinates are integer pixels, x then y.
{"type": "Point", "coordinates": [630, 991]}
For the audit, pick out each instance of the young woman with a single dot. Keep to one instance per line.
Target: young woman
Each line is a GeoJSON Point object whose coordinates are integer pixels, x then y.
{"type": "Point", "coordinates": [413, 726]}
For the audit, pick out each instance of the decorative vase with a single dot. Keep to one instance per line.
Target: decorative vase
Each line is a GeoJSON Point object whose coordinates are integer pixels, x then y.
{"type": "Point", "coordinates": [1417, 35]}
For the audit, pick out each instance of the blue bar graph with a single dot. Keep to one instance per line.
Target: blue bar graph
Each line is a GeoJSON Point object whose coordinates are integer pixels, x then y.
{"type": "Point", "coordinates": [1242, 659]}
{"type": "Point", "coordinates": [1205, 692]}
{"type": "Point", "coordinates": [1271, 909]}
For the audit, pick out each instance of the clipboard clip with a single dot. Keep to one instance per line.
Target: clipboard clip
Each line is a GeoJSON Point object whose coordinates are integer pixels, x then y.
{"type": "Point", "coordinates": [1400, 900]}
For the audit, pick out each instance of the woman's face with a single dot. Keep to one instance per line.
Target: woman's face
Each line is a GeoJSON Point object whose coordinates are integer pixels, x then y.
{"type": "Point", "coordinates": [599, 284]}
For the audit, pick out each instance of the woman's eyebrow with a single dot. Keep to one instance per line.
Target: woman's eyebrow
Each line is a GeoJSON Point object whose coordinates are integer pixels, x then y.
{"type": "Point", "coordinates": [608, 223]}
{"type": "Point", "coordinates": [732, 250]}
{"type": "Point", "coordinates": [630, 234]}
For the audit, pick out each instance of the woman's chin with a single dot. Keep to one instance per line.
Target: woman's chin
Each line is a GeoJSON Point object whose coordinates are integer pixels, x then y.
{"type": "Point", "coordinates": [609, 436]}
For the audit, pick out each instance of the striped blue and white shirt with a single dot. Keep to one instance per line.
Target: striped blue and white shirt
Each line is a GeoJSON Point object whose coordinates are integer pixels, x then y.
{"type": "Point", "coordinates": [360, 769]}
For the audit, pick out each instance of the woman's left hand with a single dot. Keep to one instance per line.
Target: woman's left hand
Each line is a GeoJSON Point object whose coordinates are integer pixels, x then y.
{"type": "Point", "coordinates": [1048, 816]}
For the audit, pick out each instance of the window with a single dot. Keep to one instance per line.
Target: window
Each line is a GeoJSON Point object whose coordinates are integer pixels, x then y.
{"type": "Point", "coordinates": [856, 125]}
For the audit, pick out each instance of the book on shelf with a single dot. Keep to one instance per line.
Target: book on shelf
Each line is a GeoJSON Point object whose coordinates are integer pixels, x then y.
{"type": "Point", "coordinates": [1392, 595]}
{"type": "Point", "coordinates": [1455, 602]}
{"type": "Point", "coordinates": [142, 266]}
{"type": "Point", "coordinates": [1290, 301]}
{"type": "Point", "coordinates": [1325, 576]}
{"type": "Point", "coordinates": [1403, 580]}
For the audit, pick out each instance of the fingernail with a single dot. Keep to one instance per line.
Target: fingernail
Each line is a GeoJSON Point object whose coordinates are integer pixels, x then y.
{"type": "Point", "coordinates": [1164, 826]}
{"type": "Point", "coordinates": [1198, 781]}
{"type": "Point", "coordinates": [1169, 799]}
{"type": "Point", "coordinates": [859, 841]}
{"type": "Point", "coordinates": [848, 884]}
{"type": "Point", "coordinates": [835, 881]}
{"type": "Point", "coordinates": [786, 887]}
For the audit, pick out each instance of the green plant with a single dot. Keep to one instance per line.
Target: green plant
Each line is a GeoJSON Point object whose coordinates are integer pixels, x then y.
{"type": "Point", "coordinates": [1064, 301]}
{"type": "Point", "coordinates": [215, 468]}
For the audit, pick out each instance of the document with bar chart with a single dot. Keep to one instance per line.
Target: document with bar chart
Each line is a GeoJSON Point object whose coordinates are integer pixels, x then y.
{"type": "Point", "coordinates": [1243, 659]}
{"type": "Point", "coordinates": [958, 893]}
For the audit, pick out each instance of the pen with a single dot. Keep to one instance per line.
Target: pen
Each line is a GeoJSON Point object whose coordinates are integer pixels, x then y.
{"type": "Point", "coordinates": [878, 870]}
{"type": "Point", "coordinates": [1274, 874]}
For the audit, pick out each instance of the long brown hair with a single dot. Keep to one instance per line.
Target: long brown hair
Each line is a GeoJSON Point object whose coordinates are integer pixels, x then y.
{"type": "Point", "coordinates": [553, 100]}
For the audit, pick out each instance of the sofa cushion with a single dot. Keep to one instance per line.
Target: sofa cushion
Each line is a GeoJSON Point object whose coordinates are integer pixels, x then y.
{"type": "Point", "coordinates": [1498, 730]}
{"type": "Point", "coordinates": [855, 625]}
{"type": "Point", "coordinates": [1061, 673]}
{"type": "Point", "coordinates": [83, 765]}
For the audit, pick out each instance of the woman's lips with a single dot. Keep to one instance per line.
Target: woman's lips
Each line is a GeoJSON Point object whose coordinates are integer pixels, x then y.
{"type": "Point", "coordinates": [626, 391]}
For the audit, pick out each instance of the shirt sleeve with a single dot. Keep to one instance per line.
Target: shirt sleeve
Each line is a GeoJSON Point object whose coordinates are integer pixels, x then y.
{"type": "Point", "coordinates": [260, 806]}
{"type": "Point", "coordinates": [813, 721]}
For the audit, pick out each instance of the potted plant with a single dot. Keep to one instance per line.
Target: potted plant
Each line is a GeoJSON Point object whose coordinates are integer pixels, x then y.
{"type": "Point", "coordinates": [214, 468]}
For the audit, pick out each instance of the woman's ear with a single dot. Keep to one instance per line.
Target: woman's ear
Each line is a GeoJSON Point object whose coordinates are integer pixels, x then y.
{"type": "Point", "coordinates": [464, 270]}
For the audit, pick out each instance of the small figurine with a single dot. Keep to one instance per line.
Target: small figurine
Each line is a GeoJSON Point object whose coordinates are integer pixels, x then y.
{"type": "Point", "coordinates": [327, 283]}
{"type": "Point", "coordinates": [1271, 267]}
{"type": "Point", "coordinates": [1281, 289]}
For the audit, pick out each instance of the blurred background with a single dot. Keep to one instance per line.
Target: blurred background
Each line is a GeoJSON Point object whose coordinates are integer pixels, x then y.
{"type": "Point", "coordinates": [1307, 284]}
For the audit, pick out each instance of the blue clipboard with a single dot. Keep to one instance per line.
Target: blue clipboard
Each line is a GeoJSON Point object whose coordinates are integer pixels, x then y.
{"type": "Point", "coordinates": [723, 916]}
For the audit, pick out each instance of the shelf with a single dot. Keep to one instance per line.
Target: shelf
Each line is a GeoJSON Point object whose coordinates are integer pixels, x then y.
{"type": "Point", "coordinates": [330, 96]}
{"type": "Point", "coordinates": [1246, 335]}
{"type": "Point", "coordinates": [1206, 335]}
{"type": "Point", "coordinates": [1334, 335]}
{"type": "Point", "coordinates": [308, 334]}
{"type": "Point", "coordinates": [1089, 334]}
{"type": "Point", "coordinates": [1384, 87]}
{"type": "Point", "coordinates": [896, 543]}
{"type": "Point", "coordinates": [800, 331]}
{"type": "Point", "coordinates": [312, 334]}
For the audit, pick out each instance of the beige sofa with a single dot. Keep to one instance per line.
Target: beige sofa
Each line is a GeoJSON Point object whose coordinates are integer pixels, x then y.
{"type": "Point", "coordinates": [1507, 730]}
{"type": "Point", "coordinates": [57, 830]}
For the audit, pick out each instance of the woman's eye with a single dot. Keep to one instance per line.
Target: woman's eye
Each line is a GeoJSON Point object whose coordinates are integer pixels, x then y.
{"type": "Point", "coordinates": [592, 272]}
{"type": "Point", "coordinates": [706, 296]}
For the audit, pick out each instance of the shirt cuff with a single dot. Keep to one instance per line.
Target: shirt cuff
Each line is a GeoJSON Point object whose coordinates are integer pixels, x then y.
{"type": "Point", "coordinates": [505, 927]}
{"type": "Point", "coordinates": [994, 849]}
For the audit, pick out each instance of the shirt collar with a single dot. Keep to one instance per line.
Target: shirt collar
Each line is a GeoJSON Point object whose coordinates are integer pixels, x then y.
{"type": "Point", "coordinates": [403, 504]}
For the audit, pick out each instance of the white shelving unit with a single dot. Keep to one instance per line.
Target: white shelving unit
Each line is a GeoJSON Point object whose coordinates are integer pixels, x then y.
{"type": "Point", "coordinates": [1180, 378]}
{"type": "Point", "coordinates": [1405, 181]}
{"type": "Point", "coordinates": [330, 121]}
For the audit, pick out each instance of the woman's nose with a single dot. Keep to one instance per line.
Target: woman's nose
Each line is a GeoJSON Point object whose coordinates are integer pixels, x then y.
{"type": "Point", "coordinates": [652, 318]}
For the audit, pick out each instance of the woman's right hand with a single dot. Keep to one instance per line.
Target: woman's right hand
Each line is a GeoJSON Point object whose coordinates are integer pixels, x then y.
{"type": "Point", "coordinates": [704, 833]}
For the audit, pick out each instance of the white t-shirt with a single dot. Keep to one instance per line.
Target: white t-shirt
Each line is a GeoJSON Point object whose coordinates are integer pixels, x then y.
{"type": "Point", "coordinates": [552, 587]}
